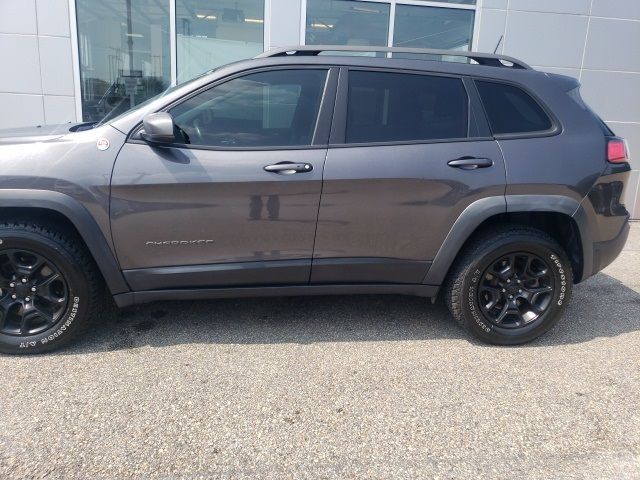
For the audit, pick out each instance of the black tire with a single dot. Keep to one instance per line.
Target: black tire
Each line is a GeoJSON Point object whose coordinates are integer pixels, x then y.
{"type": "Point", "coordinates": [57, 268]}
{"type": "Point", "coordinates": [501, 313]}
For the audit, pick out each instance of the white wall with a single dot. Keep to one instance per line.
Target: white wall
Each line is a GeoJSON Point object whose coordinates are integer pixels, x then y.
{"type": "Point", "coordinates": [36, 85]}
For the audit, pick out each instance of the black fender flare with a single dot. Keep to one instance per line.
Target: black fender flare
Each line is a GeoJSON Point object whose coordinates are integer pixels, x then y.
{"type": "Point", "coordinates": [480, 210]}
{"type": "Point", "coordinates": [560, 204]}
{"type": "Point", "coordinates": [84, 223]}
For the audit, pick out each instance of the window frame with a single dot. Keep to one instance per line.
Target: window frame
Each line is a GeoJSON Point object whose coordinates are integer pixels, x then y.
{"type": "Point", "coordinates": [320, 137]}
{"type": "Point", "coordinates": [556, 125]}
{"type": "Point", "coordinates": [477, 127]}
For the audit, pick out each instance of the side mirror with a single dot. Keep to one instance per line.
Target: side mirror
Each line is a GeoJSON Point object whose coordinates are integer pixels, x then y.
{"type": "Point", "coordinates": [158, 128]}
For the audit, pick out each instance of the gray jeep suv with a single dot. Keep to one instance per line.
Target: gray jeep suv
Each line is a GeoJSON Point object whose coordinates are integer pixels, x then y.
{"type": "Point", "coordinates": [305, 171]}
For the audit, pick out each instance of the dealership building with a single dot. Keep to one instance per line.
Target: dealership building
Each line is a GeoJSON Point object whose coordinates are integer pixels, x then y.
{"type": "Point", "coordinates": [71, 60]}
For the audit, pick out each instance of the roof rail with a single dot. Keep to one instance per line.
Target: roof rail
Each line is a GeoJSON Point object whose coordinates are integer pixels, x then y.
{"type": "Point", "coordinates": [488, 59]}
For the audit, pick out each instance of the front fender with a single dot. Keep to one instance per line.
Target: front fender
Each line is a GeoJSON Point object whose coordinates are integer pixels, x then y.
{"type": "Point", "coordinates": [84, 223]}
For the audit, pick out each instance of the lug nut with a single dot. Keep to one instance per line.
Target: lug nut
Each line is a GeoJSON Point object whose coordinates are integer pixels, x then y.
{"type": "Point", "coordinates": [12, 284]}
{"type": "Point", "coordinates": [33, 289]}
{"type": "Point", "coordinates": [27, 299]}
{"type": "Point", "coordinates": [24, 280]}
{"type": "Point", "coordinates": [504, 290]}
{"type": "Point", "coordinates": [14, 296]}
{"type": "Point", "coordinates": [519, 291]}
{"type": "Point", "coordinates": [511, 297]}
{"type": "Point", "coordinates": [508, 281]}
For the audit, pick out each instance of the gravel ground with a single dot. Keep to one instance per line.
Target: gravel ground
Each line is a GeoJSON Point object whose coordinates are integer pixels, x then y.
{"type": "Point", "coordinates": [320, 387]}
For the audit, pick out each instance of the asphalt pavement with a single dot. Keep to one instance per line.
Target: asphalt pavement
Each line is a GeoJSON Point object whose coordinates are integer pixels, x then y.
{"type": "Point", "coordinates": [332, 387]}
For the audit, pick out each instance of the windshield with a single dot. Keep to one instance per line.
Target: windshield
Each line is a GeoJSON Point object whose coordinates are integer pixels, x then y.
{"type": "Point", "coordinates": [115, 113]}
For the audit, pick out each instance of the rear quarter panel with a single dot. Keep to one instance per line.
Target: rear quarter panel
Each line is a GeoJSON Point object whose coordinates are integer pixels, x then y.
{"type": "Point", "coordinates": [567, 163]}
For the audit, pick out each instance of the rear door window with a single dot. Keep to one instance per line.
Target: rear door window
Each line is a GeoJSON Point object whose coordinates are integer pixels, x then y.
{"type": "Point", "coordinates": [392, 107]}
{"type": "Point", "coordinates": [511, 110]}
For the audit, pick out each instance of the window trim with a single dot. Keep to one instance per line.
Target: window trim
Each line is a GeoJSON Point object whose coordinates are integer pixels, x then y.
{"type": "Point", "coordinates": [321, 130]}
{"type": "Point", "coordinates": [477, 115]}
{"type": "Point", "coordinates": [337, 138]}
{"type": "Point", "coordinates": [556, 125]}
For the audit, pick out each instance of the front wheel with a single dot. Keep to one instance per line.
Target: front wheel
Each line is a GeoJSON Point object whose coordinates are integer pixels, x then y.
{"type": "Point", "coordinates": [509, 286]}
{"type": "Point", "coordinates": [48, 287]}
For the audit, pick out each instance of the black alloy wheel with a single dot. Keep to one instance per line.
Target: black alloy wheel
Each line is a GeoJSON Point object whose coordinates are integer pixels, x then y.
{"type": "Point", "coordinates": [516, 290]}
{"type": "Point", "coordinates": [33, 293]}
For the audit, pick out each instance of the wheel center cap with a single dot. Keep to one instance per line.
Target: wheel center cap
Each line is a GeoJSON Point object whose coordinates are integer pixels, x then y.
{"type": "Point", "coordinates": [22, 290]}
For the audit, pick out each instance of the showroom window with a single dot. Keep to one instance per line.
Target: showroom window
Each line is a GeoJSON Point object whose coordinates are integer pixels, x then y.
{"type": "Point", "coordinates": [433, 27]}
{"type": "Point", "coordinates": [347, 22]}
{"type": "Point", "coordinates": [211, 33]}
{"type": "Point", "coordinates": [126, 54]}
{"type": "Point", "coordinates": [441, 24]}
{"type": "Point", "coordinates": [459, 2]}
{"type": "Point", "coordinates": [124, 57]}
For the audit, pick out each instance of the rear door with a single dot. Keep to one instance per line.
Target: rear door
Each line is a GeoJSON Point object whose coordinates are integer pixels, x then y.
{"type": "Point", "coordinates": [408, 153]}
{"type": "Point", "coordinates": [235, 200]}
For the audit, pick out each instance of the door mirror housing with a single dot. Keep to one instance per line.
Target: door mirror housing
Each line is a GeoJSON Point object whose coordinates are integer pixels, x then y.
{"type": "Point", "coordinates": [158, 128]}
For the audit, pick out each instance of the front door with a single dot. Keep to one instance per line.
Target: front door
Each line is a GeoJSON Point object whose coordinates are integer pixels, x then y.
{"type": "Point", "coordinates": [235, 200]}
{"type": "Point", "coordinates": [408, 154]}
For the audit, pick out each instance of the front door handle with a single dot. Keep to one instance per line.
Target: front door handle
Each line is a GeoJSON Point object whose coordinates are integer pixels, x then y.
{"type": "Point", "coordinates": [289, 168]}
{"type": "Point", "coordinates": [470, 163]}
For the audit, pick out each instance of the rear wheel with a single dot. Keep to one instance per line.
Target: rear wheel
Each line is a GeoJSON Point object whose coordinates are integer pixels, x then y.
{"type": "Point", "coordinates": [48, 287]}
{"type": "Point", "coordinates": [509, 286]}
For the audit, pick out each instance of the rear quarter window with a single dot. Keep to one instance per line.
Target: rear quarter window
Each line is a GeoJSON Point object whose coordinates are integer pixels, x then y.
{"type": "Point", "coordinates": [510, 110]}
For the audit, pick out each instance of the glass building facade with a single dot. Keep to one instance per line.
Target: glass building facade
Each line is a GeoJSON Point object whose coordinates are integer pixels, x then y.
{"type": "Point", "coordinates": [131, 50]}
{"type": "Point", "coordinates": [124, 54]}
{"type": "Point", "coordinates": [212, 33]}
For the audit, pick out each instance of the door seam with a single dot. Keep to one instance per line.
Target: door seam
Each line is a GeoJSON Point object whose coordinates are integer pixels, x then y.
{"type": "Point", "coordinates": [324, 164]}
{"type": "Point", "coordinates": [315, 233]}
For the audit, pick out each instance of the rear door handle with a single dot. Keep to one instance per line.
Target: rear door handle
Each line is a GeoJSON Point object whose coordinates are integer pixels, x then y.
{"type": "Point", "coordinates": [470, 163]}
{"type": "Point", "coordinates": [289, 168]}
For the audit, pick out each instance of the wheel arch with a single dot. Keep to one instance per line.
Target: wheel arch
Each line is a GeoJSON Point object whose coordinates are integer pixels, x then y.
{"type": "Point", "coordinates": [52, 206]}
{"type": "Point", "coordinates": [561, 217]}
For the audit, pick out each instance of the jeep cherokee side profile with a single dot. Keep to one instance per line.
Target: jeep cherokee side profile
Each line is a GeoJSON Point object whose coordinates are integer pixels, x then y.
{"type": "Point", "coordinates": [308, 172]}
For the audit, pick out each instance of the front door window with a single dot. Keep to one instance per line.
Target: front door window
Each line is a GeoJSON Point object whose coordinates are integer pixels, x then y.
{"type": "Point", "coordinates": [267, 109]}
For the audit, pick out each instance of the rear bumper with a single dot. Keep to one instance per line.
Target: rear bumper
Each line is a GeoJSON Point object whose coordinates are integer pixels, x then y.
{"type": "Point", "coordinates": [606, 252]}
{"type": "Point", "coordinates": [603, 219]}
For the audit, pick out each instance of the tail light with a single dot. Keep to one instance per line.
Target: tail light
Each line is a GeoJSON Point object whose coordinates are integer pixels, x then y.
{"type": "Point", "coordinates": [617, 150]}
